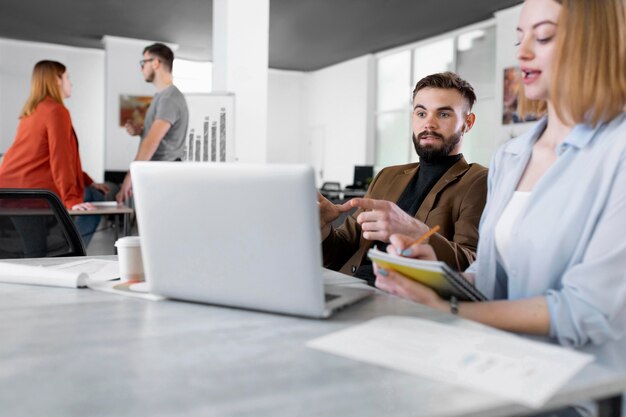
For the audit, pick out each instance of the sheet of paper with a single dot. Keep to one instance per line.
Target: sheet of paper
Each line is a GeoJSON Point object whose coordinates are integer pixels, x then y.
{"type": "Point", "coordinates": [107, 204]}
{"type": "Point", "coordinates": [14, 273]}
{"type": "Point", "coordinates": [511, 367]}
{"type": "Point", "coordinates": [98, 270]}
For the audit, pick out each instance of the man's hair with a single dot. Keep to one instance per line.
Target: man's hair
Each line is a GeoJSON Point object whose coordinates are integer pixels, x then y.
{"type": "Point", "coordinates": [163, 53]}
{"type": "Point", "coordinates": [44, 83]}
{"type": "Point", "coordinates": [447, 80]}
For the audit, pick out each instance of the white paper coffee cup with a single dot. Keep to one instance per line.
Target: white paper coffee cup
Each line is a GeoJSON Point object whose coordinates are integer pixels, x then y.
{"type": "Point", "coordinates": [129, 255]}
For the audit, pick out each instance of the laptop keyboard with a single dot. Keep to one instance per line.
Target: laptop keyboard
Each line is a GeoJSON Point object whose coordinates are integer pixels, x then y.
{"type": "Point", "coordinates": [330, 297]}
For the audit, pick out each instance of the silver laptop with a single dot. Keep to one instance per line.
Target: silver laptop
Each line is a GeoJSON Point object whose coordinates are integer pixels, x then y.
{"type": "Point", "coordinates": [235, 235]}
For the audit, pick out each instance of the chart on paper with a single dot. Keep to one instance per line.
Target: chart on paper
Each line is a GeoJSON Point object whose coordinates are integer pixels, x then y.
{"type": "Point", "coordinates": [211, 126]}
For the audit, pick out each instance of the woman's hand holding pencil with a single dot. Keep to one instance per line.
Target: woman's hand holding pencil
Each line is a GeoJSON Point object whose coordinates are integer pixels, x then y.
{"type": "Point", "coordinates": [405, 246]}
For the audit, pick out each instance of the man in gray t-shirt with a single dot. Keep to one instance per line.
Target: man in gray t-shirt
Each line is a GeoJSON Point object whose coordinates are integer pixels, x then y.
{"type": "Point", "coordinates": [168, 105]}
{"type": "Point", "coordinates": [165, 126]}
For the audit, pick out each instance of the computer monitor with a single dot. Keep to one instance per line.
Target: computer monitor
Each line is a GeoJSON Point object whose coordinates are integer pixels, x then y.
{"type": "Point", "coordinates": [363, 175]}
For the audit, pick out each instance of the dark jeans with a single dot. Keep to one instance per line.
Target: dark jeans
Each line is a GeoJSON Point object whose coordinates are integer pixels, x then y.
{"type": "Point", "coordinates": [87, 225]}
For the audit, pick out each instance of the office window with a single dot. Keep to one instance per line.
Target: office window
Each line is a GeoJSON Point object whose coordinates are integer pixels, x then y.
{"type": "Point", "coordinates": [193, 76]}
{"type": "Point", "coordinates": [393, 73]}
{"type": "Point", "coordinates": [392, 105]}
{"type": "Point", "coordinates": [476, 59]}
{"type": "Point", "coordinates": [392, 139]}
{"type": "Point", "coordinates": [476, 63]}
{"type": "Point", "coordinates": [469, 53]}
{"type": "Point", "coordinates": [433, 57]}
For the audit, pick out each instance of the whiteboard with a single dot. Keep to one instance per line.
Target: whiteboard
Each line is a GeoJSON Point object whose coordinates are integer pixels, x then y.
{"type": "Point", "coordinates": [210, 134]}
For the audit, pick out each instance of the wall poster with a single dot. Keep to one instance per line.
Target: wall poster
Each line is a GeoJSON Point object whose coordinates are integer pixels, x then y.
{"type": "Point", "coordinates": [133, 108]}
{"type": "Point", "coordinates": [512, 84]}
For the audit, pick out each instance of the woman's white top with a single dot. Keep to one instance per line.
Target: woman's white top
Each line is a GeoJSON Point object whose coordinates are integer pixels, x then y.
{"type": "Point", "coordinates": [504, 226]}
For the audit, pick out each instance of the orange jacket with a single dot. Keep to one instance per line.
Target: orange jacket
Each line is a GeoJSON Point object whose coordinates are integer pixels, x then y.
{"type": "Point", "coordinates": [45, 155]}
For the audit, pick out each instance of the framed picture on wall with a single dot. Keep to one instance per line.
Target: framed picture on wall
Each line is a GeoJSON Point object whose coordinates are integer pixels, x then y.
{"type": "Point", "coordinates": [512, 85]}
{"type": "Point", "coordinates": [133, 108]}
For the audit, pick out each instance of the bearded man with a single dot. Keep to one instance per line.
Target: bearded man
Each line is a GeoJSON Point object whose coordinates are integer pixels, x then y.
{"type": "Point", "coordinates": [442, 189]}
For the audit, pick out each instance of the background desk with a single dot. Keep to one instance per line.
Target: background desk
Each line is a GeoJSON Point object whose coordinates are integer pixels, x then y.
{"type": "Point", "coordinates": [116, 212]}
{"type": "Point", "coordinates": [342, 195]}
{"type": "Point", "coordinates": [348, 193]}
{"type": "Point", "coordinates": [71, 352]}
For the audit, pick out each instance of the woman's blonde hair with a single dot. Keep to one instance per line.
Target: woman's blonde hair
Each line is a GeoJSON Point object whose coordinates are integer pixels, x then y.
{"type": "Point", "coordinates": [529, 107]}
{"type": "Point", "coordinates": [589, 73]}
{"type": "Point", "coordinates": [44, 83]}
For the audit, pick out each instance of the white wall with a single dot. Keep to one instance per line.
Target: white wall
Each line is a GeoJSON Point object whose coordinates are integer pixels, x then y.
{"type": "Point", "coordinates": [193, 76]}
{"type": "Point", "coordinates": [336, 135]}
{"type": "Point", "coordinates": [321, 118]}
{"type": "Point", "coordinates": [86, 106]}
{"type": "Point", "coordinates": [286, 115]}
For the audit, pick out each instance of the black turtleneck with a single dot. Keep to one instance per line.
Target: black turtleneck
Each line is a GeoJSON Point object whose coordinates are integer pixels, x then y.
{"type": "Point", "coordinates": [411, 199]}
{"type": "Point", "coordinates": [423, 181]}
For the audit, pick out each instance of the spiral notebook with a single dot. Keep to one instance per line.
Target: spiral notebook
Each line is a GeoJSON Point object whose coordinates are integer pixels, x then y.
{"type": "Point", "coordinates": [434, 274]}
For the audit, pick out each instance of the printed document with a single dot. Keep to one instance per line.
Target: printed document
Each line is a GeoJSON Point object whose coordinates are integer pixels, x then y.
{"type": "Point", "coordinates": [508, 366]}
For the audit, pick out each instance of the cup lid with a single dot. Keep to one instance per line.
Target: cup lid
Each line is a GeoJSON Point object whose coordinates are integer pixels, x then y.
{"type": "Point", "coordinates": [128, 241]}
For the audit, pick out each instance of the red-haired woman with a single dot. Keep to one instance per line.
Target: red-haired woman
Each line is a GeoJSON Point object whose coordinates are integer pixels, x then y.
{"type": "Point", "coordinates": [45, 151]}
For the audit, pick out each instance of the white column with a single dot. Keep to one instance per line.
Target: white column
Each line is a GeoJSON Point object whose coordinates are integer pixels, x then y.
{"type": "Point", "coordinates": [240, 56]}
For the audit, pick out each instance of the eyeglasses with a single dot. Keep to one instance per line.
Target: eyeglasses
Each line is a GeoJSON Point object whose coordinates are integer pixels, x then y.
{"type": "Point", "coordinates": [143, 61]}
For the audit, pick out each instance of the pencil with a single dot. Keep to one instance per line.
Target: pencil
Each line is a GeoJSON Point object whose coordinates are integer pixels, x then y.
{"type": "Point", "coordinates": [425, 236]}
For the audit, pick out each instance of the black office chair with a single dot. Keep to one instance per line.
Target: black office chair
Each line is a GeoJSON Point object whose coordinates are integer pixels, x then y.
{"type": "Point", "coordinates": [35, 224]}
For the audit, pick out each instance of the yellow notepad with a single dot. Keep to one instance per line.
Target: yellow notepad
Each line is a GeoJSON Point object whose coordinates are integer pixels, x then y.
{"type": "Point", "coordinates": [434, 274]}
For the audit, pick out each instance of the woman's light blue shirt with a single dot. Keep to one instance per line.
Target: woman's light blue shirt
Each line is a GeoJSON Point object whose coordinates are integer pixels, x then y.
{"type": "Point", "coordinates": [569, 244]}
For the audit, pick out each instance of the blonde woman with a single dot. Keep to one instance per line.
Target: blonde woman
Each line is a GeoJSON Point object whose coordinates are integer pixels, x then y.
{"type": "Point", "coordinates": [45, 154]}
{"type": "Point", "coordinates": [552, 247]}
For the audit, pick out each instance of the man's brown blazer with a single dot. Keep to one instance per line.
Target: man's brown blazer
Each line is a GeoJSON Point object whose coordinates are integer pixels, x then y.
{"type": "Point", "coordinates": [455, 203]}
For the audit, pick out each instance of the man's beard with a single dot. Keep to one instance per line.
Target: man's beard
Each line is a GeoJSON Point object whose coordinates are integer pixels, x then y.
{"type": "Point", "coordinates": [433, 153]}
{"type": "Point", "coordinates": [150, 77]}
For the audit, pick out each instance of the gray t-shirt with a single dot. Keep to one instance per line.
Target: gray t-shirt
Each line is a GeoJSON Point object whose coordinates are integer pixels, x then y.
{"type": "Point", "coordinates": [169, 105]}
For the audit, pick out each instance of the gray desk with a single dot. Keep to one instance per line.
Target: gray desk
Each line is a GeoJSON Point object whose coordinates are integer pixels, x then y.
{"type": "Point", "coordinates": [343, 194]}
{"type": "Point", "coordinates": [348, 193]}
{"type": "Point", "coordinates": [70, 352]}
